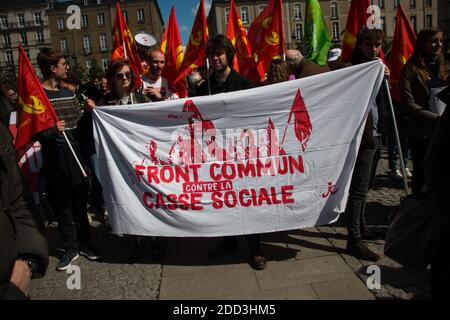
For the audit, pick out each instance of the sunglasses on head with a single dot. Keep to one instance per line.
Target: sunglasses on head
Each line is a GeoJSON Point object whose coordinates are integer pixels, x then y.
{"type": "Point", "coordinates": [121, 75]}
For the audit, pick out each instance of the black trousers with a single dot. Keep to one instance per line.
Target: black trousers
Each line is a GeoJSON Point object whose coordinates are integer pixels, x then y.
{"type": "Point", "coordinates": [68, 204]}
{"type": "Point", "coordinates": [440, 271]}
{"type": "Point", "coordinates": [359, 187]}
{"type": "Point", "coordinates": [253, 242]}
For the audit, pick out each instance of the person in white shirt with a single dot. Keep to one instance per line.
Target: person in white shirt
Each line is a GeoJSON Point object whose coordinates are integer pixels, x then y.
{"type": "Point", "coordinates": [156, 87]}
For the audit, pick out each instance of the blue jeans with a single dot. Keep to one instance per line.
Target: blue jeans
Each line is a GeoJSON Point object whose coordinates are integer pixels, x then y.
{"type": "Point", "coordinates": [392, 145]}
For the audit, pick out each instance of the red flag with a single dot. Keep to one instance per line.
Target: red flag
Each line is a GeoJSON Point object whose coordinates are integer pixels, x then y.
{"type": "Point", "coordinates": [173, 51]}
{"type": "Point", "coordinates": [124, 47]}
{"type": "Point", "coordinates": [402, 49]}
{"type": "Point", "coordinates": [266, 35]}
{"type": "Point", "coordinates": [302, 122]}
{"type": "Point", "coordinates": [35, 112]}
{"type": "Point", "coordinates": [195, 53]}
{"type": "Point", "coordinates": [356, 19]}
{"type": "Point", "coordinates": [244, 62]}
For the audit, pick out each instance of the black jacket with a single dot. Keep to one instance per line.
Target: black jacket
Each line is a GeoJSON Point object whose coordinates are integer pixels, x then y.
{"type": "Point", "coordinates": [382, 104]}
{"type": "Point", "coordinates": [437, 170]}
{"type": "Point", "coordinates": [234, 82]}
{"type": "Point", "coordinates": [19, 219]}
{"type": "Point", "coordinates": [414, 96]}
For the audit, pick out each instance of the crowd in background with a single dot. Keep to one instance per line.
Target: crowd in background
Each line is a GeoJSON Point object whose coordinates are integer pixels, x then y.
{"type": "Point", "coordinates": [421, 116]}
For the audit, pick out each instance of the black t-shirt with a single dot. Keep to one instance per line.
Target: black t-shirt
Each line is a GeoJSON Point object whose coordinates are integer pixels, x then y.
{"type": "Point", "coordinates": [234, 82]}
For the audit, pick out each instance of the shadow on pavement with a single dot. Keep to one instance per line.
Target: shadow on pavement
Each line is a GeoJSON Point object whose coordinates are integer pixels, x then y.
{"type": "Point", "coordinates": [410, 284]}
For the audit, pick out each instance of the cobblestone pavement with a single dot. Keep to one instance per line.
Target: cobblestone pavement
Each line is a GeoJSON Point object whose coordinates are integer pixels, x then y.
{"type": "Point", "coordinates": [397, 282]}
{"type": "Point", "coordinates": [113, 277]}
{"type": "Point", "coordinates": [116, 277]}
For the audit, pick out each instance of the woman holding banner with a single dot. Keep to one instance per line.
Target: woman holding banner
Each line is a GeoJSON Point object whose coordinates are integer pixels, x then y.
{"type": "Point", "coordinates": [122, 91]}
{"type": "Point", "coordinates": [120, 79]}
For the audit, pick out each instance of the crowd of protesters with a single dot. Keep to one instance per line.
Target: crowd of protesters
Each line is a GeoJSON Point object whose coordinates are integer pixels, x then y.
{"type": "Point", "coordinates": [423, 127]}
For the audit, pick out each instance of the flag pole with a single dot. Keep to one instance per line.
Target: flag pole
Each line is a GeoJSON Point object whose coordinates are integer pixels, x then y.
{"type": "Point", "coordinates": [397, 137]}
{"type": "Point", "coordinates": [124, 49]}
{"type": "Point", "coordinates": [207, 78]}
{"type": "Point", "coordinates": [73, 152]}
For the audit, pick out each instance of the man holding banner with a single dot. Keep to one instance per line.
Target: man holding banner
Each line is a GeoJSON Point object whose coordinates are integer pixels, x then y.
{"type": "Point", "coordinates": [367, 49]}
{"type": "Point", "coordinates": [220, 52]}
{"type": "Point", "coordinates": [66, 186]}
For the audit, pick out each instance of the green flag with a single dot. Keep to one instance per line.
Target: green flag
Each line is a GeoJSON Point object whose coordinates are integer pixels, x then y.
{"type": "Point", "coordinates": [316, 33]}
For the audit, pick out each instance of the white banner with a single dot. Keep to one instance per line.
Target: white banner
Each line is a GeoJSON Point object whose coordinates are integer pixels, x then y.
{"type": "Point", "coordinates": [272, 158]}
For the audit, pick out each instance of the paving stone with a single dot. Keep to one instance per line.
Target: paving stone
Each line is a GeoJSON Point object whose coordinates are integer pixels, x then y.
{"type": "Point", "coordinates": [289, 274]}
{"type": "Point", "coordinates": [209, 285]}
{"type": "Point", "coordinates": [343, 289]}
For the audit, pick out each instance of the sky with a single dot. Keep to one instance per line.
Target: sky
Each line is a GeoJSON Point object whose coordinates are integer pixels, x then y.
{"type": "Point", "coordinates": [185, 11]}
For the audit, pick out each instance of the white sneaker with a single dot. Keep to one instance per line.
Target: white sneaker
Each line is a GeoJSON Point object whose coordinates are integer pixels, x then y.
{"type": "Point", "coordinates": [397, 174]}
{"type": "Point", "coordinates": [408, 173]}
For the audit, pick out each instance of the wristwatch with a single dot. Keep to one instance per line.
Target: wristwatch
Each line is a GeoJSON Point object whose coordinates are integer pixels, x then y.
{"type": "Point", "coordinates": [32, 264]}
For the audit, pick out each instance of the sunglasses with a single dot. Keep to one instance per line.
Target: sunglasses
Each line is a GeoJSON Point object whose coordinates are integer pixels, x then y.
{"type": "Point", "coordinates": [120, 76]}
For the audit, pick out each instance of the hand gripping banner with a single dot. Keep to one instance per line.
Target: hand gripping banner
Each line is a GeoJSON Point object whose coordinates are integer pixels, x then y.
{"type": "Point", "coordinates": [267, 159]}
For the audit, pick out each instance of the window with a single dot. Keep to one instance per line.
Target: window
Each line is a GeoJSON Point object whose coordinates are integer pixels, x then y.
{"type": "Point", "coordinates": [244, 14]}
{"type": "Point", "coordinates": [336, 32]}
{"type": "Point", "coordinates": [395, 3]}
{"type": "Point", "coordinates": [37, 19]}
{"type": "Point", "coordinates": [297, 11]}
{"type": "Point", "coordinates": [261, 9]}
{"type": "Point", "coordinates": [334, 10]}
{"type": "Point", "coordinates": [103, 43]}
{"type": "Point", "coordinates": [125, 15]}
{"type": "Point", "coordinates": [6, 40]}
{"type": "Point", "coordinates": [23, 38]}
{"type": "Point", "coordinates": [4, 22]}
{"type": "Point", "coordinates": [40, 36]}
{"type": "Point", "coordinates": [20, 20]}
{"type": "Point", "coordinates": [99, 1]}
{"type": "Point", "coordinates": [429, 20]}
{"type": "Point", "coordinates": [105, 63]}
{"type": "Point", "coordinates": [412, 4]}
{"type": "Point", "coordinates": [87, 44]}
{"type": "Point", "coordinates": [61, 24]}
{"type": "Point", "coordinates": [9, 57]}
{"type": "Point", "coordinates": [428, 3]}
{"type": "Point", "coordinates": [63, 45]}
{"type": "Point", "coordinates": [140, 16]}
{"type": "Point", "coordinates": [101, 19]}
{"type": "Point", "coordinates": [85, 2]}
{"type": "Point", "coordinates": [227, 14]}
{"type": "Point", "coordinates": [414, 23]}
{"type": "Point", "coordinates": [383, 24]}
{"type": "Point", "coordinates": [84, 21]}
{"type": "Point", "coordinates": [381, 4]}
{"type": "Point", "coordinates": [298, 32]}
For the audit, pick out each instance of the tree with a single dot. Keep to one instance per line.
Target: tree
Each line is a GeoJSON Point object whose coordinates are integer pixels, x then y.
{"type": "Point", "coordinates": [8, 75]}
{"type": "Point", "coordinates": [78, 71]}
{"type": "Point", "coordinates": [95, 71]}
